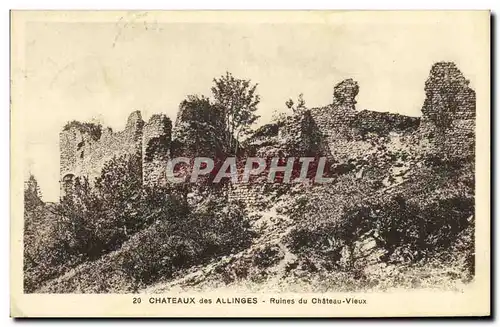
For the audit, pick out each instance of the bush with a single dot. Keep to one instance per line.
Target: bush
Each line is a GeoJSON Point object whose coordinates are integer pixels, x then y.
{"type": "Point", "coordinates": [154, 229]}
{"type": "Point", "coordinates": [166, 247]}
{"type": "Point", "coordinates": [268, 256]}
{"type": "Point", "coordinates": [47, 250]}
{"type": "Point", "coordinates": [156, 252]}
{"type": "Point", "coordinates": [405, 231]}
{"type": "Point", "coordinates": [32, 195]}
{"type": "Point", "coordinates": [163, 249]}
{"type": "Point", "coordinates": [94, 130]}
{"type": "Point", "coordinates": [102, 216]}
{"type": "Point", "coordinates": [91, 220]}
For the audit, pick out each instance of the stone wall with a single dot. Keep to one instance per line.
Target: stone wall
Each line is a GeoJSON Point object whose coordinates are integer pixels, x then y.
{"type": "Point", "coordinates": [449, 112]}
{"type": "Point", "coordinates": [84, 152]}
{"type": "Point", "coordinates": [381, 124]}
{"type": "Point", "coordinates": [300, 136]}
{"type": "Point", "coordinates": [337, 131]}
{"type": "Point", "coordinates": [156, 141]}
{"type": "Point", "coordinates": [347, 132]}
{"type": "Point", "coordinates": [250, 194]}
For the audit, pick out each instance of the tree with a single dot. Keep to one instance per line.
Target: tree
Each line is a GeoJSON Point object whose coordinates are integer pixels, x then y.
{"type": "Point", "coordinates": [32, 195]}
{"type": "Point", "coordinates": [238, 100]}
{"type": "Point", "coordinates": [301, 104]}
{"type": "Point", "coordinates": [103, 215]}
{"type": "Point", "coordinates": [119, 187]}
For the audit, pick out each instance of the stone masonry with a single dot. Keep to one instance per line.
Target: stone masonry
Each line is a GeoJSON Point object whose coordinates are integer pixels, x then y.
{"type": "Point", "coordinates": [338, 131]}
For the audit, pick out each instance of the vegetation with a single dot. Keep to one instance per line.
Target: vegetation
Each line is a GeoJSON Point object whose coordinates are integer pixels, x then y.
{"type": "Point", "coordinates": [238, 99]}
{"type": "Point", "coordinates": [424, 223]}
{"type": "Point", "coordinates": [94, 130]}
{"type": "Point", "coordinates": [399, 212]}
{"type": "Point", "coordinates": [199, 127]}
{"type": "Point", "coordinates": [32, 194]}
{"type": "Point", "coordinates": [301, 104]}
{"type": "Point", "coordinates": [153, 231]}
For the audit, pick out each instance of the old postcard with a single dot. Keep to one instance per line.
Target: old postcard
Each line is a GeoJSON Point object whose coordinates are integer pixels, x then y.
{"type": "Point", "coordinates": [250, 164]}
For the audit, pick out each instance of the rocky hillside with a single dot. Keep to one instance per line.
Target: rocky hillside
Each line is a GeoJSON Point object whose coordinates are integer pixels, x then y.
{"type": "Point", "coordinates": [398, 211]}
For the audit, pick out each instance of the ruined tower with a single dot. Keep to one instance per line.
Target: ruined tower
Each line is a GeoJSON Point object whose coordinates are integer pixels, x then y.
{"type": "Point", "coordinates": [156, 141]}
{"type": "Point", "coordinates": [448, 113]}
{"type": "Point", "coordinates": [85, 147]}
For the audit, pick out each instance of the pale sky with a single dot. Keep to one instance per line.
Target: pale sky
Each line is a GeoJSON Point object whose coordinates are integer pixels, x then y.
{"type": "Point", "coordinates": [105, 70]}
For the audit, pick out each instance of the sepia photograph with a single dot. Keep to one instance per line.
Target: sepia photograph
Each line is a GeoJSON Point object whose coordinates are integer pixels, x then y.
{"type": "Point", "coordinates": [307, 163]}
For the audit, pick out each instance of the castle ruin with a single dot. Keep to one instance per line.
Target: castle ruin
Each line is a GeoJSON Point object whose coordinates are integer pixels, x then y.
{"type": "Point", "coordinates": [338, 131]}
